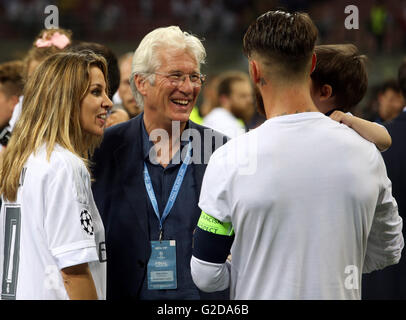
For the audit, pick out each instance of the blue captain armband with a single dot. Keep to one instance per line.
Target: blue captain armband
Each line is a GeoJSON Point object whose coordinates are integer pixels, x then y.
{"type": "Point", "coordinates": [212, 239]}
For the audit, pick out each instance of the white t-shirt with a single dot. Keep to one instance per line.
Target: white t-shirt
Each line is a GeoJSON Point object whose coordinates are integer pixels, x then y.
{"type": "Point", "coordinates": [117, 99]}
{"type": "Point", "coordinates": [15, 116]}
{"type": "Point", "coordinates": [53, 224]}
{"type": "Point", "coordinates": [223, 121]}
{"type": "Point", "coordinates": [16, 113]}
{"type": "Point", "coordinates": [312, 214]}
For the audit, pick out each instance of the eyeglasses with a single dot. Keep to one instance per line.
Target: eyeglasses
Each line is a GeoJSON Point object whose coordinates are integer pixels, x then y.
{"type": "Point", "coordinates": [178, 78]}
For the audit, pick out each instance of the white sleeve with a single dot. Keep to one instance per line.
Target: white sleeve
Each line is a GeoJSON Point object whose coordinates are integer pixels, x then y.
{"type": "Point", "coordinates": [214, 195]}
{"type": "Point", "coordinates": [382, 126]}
{"type": "Point", "coordinates": [68, 218]}
{"type": "Point", "coordinates": [385, 241]}
{"type": "Point", "coordinates": [210, 277]}
{"type": "Point", "coordinates": [16, 113]}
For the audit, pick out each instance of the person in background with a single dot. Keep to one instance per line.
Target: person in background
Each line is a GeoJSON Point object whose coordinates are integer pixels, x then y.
{"type": "Point", "coordinates": [51, 233]}
{"type": "Point", "coordinates": [127, 100]}
{"type": "Point", "coordinates": [195, 115]}
{"type": "Point", "coordinates": [116, 116]}
{"type": "Point", "coordinates": [287, 240]}
{"type": "Point", "coordinates": [209, 100]}
{"type": "Point", "coordinates": [146, 214]}
{"type": "Point", "coordinates": [235, 96]}
{"type": "Point", "coordinates": [48, 42]}
{"type": "Point", "coordinates": [389, 100]}
{"type": "Point", "coordinates": [390, 283]}
{"type": "Point", "coordinates": [209, 95]}
{"type": "Point", "coordinates": [11, 88]}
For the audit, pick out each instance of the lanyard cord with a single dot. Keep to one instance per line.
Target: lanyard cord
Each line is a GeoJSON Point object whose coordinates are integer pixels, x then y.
{"type": "Point", "coordinates": [174, 192]}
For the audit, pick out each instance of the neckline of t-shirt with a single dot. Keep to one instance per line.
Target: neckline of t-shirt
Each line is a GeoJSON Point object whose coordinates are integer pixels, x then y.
{"type": "Point", "coordinates": [296, 117]}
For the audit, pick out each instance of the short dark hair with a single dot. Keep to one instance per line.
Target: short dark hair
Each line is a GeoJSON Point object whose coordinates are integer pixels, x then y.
{"type": "Point", "coordinates": [112, 64]}
{"type": "Point", "coordinates": [343, 68]}
{"type": "Point", "coordinates": [402, 78]}
{"type": "Point", "coordinates": [283, 39]}
{"type": "Point", "coordinates": [390, 84]}
{"type": "Point", "coordinates": [11, 78]}
{"type": "Point", "coordinates": [226, 80]}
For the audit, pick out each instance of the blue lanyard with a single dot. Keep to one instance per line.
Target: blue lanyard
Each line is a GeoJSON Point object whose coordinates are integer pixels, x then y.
{"type": "Point", "coordinates": [174, 192]}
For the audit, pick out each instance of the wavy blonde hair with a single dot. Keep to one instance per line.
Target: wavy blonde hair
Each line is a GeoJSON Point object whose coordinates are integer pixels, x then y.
{"type": "Point", "coordinates": [51, 110]}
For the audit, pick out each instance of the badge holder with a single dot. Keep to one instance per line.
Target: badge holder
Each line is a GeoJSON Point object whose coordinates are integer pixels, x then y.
{"type": "Point", "coordinates": [162, 265]}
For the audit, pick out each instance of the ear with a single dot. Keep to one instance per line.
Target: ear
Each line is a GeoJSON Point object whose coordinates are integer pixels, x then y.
{"type": "Point", "coordinates": [13, 102]}
{"type": "Point", "coordinates": [326, 92]}
{"type": "Point", "coordinates": [314, 61]}
{"type": "Point", "coordinates": [255, 71]}
{"type": "Point", "coordinates": [141, 83]}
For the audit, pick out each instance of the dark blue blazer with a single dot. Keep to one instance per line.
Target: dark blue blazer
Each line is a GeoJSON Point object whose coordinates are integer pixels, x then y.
{"type": "Point", "coordinates": [121, 198]}
{"type": "Point", "coordinates": [390, 283]}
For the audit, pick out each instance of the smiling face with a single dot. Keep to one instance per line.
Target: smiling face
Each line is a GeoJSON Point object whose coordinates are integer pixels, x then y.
{"type": "Point", "coordinates": [165, 101]}
{"type": "Point", "coordinates": [94, 106]}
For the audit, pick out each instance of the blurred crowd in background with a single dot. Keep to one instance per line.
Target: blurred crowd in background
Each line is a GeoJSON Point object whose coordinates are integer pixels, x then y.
{"type": "Point", "coordinates": [120, 24]}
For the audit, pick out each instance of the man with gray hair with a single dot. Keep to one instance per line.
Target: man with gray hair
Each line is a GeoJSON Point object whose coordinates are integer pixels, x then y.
{"type": "Point", "coordinates": [148, 173]}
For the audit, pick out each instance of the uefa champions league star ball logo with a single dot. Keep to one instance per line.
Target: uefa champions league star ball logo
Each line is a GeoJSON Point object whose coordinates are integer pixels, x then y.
{"type": "Point", "coordinates": [86, 222]}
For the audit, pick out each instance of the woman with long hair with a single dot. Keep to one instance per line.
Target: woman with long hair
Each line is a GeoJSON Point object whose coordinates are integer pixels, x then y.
{"type": "Point", "coordinates": [51, 235]}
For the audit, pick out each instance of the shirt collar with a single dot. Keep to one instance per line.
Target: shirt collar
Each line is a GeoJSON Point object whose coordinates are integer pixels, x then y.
{"type": "Point", "coordinates": [148, 145]}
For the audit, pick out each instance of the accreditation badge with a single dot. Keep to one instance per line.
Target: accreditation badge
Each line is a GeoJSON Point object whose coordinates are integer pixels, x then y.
{"type": "Point", "coordinates": [162, 265]}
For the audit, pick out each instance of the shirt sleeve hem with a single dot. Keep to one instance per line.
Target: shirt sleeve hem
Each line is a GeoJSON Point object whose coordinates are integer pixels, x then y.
{"type": "Point", "coordinates": [76, 257]}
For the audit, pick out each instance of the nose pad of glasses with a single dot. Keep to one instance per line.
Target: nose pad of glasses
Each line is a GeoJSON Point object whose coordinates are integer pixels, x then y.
{"type": "Point", "coordinates": [182, 84]}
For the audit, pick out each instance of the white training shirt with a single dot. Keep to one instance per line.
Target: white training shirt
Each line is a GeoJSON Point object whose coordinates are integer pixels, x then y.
{"type": "Point", "coordinates": [224, 121]}
{"type": "Point", "coordinates": [16, 113]}
{"type": "Point", "coordinates": [311, 206]}
{"type": "Point", "coordinates": [53, 224]}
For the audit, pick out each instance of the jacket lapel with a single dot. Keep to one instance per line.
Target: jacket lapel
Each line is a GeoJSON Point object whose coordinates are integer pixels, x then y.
{"type": "Point", "coordinates": [128, 158]}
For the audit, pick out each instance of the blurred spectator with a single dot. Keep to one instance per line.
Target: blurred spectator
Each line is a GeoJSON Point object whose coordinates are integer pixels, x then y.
{"type": "Point", "coordinates": [210, 95]}
{"type": "Point", "coordinates": [195, 116]}
{"type": "Point", "coordinates": [117, 115]}
{"type": "Point", "coordinates": [45, 44]}
{"type": "Point", "coordinates": [378, 20]}
{"type": "Point", "coordinates": [11, 87]}
{"type": "Point", "coordinates": [389, 101]}
{"type": "Point", "coordinates": [124, 90]}
{"type": "Point", "coordinates": [235, 96]}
